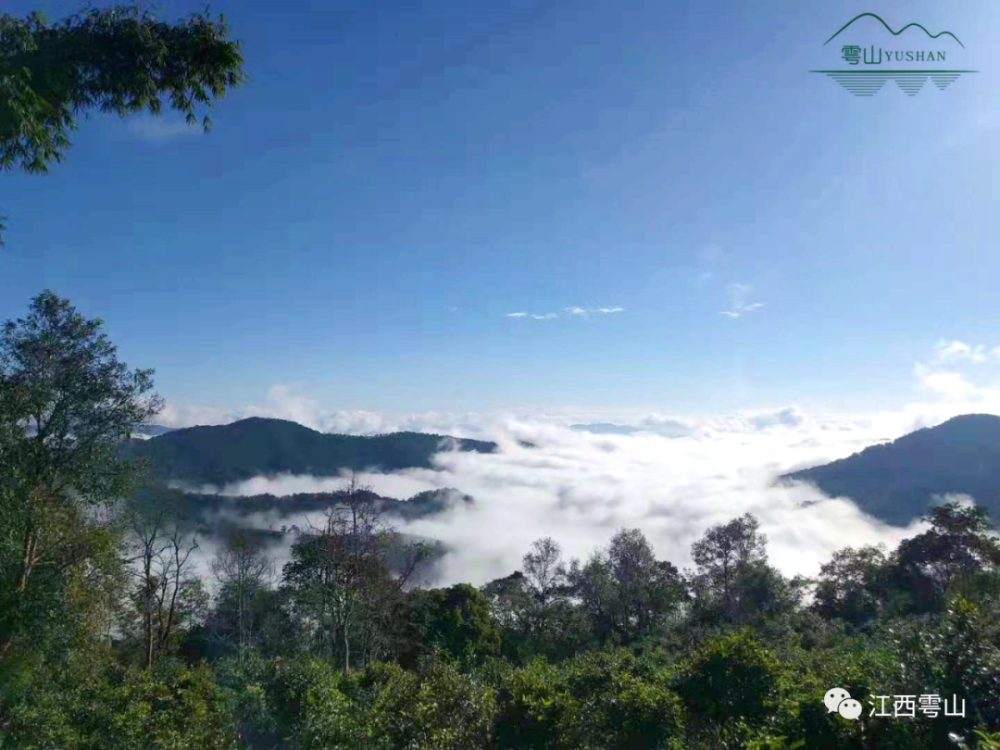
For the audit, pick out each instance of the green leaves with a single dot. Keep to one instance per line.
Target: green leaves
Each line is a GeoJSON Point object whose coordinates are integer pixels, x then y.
{"type": "Point", "coordinates": [96, 705]}
{"type": "Point", "coordinates": [61, 381]}
{"type": "Point", "coordinates": [66, 403]}
{"type": "Point", "coordinates": [596, 701]}
{"type": "Point", "coordinates": [120, 60]}
{"type": "Point", "coordinates": [733, 678]}
{"type": "Point", "coordinates": [385, 707]}
{"type": "Point", "coordinates": [458, 620]}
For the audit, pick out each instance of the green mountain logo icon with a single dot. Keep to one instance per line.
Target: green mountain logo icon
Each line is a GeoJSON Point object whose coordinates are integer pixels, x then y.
{"type": "Point", "coordinates": [895, 33]}
{"type": "Point", "coordinates": [877, 70]}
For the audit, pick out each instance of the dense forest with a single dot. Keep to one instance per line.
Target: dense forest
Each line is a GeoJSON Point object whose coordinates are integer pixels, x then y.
{"type": "Point", "coordinates": [111, 638]}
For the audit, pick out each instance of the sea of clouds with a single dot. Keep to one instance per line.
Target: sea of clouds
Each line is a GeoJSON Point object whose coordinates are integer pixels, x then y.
{"type": "Point", "coordinates": [671, 477]}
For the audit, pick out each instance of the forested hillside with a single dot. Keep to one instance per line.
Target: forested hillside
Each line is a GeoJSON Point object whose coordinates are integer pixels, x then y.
{"type": "Point", "coordinates": [255, 446]}
{"type": "Point", "coordinates": [208, 509]}
{"type": "Point", "coordinates": [898, 481]}
{"type": "Point", "coordinates": [112, 637]}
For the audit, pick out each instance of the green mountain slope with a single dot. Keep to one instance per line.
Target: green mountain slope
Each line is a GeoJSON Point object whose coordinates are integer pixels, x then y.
{"type": "Point", "coordinates": [251, 447]}
{"type": "Point", "coordinates": [897, 481]}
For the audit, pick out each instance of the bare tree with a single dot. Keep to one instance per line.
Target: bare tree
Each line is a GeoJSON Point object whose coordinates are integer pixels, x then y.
{"type": "Point", "coordinates": [346, 571]}
{"type": "Point", "coordinates": [167, 589]}
{"type": "Point", "coordinates": [243, 571]}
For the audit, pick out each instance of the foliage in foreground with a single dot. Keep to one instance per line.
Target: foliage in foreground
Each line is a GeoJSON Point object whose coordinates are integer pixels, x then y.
{"type": "Point", "coordinates": [121, 60]}
{"type": "Point", "coordinates": [109, 637]}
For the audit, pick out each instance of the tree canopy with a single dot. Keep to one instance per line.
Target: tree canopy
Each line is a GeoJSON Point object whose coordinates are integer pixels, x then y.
{"type": "Point", "coordinates": [120, 60]}
{"type": "Point", "coordinates": [111, 635]}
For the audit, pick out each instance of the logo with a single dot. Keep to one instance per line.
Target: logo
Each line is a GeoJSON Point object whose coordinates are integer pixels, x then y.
{"type": "Point", "coordinates": [838, 700]}
{"type": "Point", "coordinates": [868, 61]}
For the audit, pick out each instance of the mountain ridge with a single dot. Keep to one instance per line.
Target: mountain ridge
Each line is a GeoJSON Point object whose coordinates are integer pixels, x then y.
{"type": "Point", "coordinates": [220, 454]}
{"type": "Point", "coordinates": [894, 33]}
{"type": "Point", "coordinates": [898, 481]}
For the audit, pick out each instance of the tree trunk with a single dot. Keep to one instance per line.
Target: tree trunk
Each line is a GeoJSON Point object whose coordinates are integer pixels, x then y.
{"type": "Point", "coordinates": [148, 616]}
{"type": "Point", "coordinates": [149, 633]}
{"type": "Point", "coordinates": [347, 651]}
{"type": "Point", "coordinates": [30, 548]}
{"type": "Point", "coordinates": [27, 565]}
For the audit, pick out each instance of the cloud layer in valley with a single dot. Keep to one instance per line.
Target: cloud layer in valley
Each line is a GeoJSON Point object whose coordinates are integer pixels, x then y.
{"type": "Point", "coordinates": [588, 473]}
{"type": "Point", "coordinates": [579, 488]}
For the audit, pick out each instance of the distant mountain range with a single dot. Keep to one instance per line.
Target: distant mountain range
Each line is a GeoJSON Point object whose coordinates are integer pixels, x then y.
{"type": "Point", "coordinates": [898, 481]}
{"type": "Point", "coordinates": [251, 447]}
{"type": "Point", "coordinates": [895, 481]}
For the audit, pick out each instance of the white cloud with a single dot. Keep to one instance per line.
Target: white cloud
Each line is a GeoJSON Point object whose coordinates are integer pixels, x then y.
{"type": "Point", "coordinates": [790, 416]}
{"type": "Point", "coordinates": [944, 392]}
{"type": "Point", "coordinates": [952, 352]}
{"type": "Point", "coordinates": [739, 294]}
{"type": "Point", "coordinates": [952, 386]}
{"type": "Point", "coordinates": [174, 415]}
{"type": "Point", "coordinates": [573, 311]}
{"type": "Point", "coordinates": [283, 401]}
{"type": "Point", "coordinates": [580, 488]}
{"type": "Point", "coordinates": [739, 312]}
{"type": "Point", "coordinates": [671, 476]}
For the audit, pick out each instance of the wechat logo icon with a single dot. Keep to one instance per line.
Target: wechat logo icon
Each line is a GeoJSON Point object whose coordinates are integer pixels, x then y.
{"type": "Point", "coordinates": [838, 700]}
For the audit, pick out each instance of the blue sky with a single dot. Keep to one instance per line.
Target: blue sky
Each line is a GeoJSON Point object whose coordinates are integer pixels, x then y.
{"type": "Point", "coordinates": [397, 178]}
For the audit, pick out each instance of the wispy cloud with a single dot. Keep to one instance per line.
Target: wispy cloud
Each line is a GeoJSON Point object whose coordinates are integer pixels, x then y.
{"type": "Point", "coordinates": [739, 294]}
{"type": "Point", "coordinates": [739, 312]}
{"type": "Point", "coordinates": [158, 129]}
{"type": "Point", "coordinates": [958, 351]}
{"type": "Point", "coordinates": [574, 311]}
